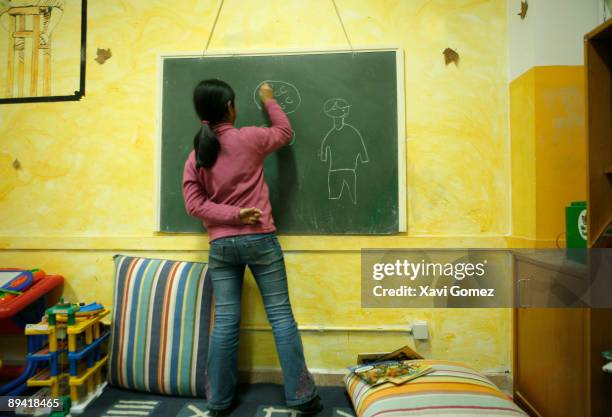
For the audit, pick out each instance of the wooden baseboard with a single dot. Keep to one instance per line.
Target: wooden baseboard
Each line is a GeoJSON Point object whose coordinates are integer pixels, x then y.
{"type": "Point", "coordinates": [335, 377]}
{"type": "Point", "coordinates": [322, 377]}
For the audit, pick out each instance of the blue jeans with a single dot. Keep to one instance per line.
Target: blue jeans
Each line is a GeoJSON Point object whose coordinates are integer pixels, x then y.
{"type": "Point", "coordinates": [227, 261]}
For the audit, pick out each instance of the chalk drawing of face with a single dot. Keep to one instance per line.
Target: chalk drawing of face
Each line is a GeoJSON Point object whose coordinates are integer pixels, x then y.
{"type": "Point", "coordinates": [286, 94]}
{"type": "Point", "coordinates": [336, 107]}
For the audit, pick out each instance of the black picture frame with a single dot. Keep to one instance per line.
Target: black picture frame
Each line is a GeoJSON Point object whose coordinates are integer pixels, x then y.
{"type": "Point", "coordinates": [78, 94]}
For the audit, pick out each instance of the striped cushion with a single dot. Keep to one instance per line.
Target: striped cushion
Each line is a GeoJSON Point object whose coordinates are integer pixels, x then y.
{"type": "Point", "coordinates": [161, 326]}
{"type": "Point", "coordinates": [451, 390]}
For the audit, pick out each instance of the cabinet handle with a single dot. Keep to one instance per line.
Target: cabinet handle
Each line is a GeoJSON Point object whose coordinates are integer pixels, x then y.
{"type": "Point", "coordinates": [518, 291]}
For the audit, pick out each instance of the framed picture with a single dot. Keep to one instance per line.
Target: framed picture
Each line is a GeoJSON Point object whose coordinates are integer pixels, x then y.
{"type": "Point", "coordinates": [42, 50]}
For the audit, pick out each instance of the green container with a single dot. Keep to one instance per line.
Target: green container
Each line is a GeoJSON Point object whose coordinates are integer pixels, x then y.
{"type": "Point", "coordinates": [576, 231]}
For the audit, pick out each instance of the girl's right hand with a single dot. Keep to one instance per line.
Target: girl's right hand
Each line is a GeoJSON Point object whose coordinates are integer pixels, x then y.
{"type": "Point", "coordinates": [250, 215]}
{"type": "Point", "coordinates": [266, 93]}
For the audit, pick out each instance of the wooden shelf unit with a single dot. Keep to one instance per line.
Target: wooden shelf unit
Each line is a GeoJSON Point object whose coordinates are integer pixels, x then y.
{"type": "Point", "coordinates": [598, 71]}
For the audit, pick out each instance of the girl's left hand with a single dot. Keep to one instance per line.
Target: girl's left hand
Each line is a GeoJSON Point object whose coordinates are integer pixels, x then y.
{"type": "Point", "coordinates": [250, 215]}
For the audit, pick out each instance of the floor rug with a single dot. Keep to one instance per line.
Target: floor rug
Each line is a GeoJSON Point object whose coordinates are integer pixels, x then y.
{"type": "Point", "coordinates": [255, 400]}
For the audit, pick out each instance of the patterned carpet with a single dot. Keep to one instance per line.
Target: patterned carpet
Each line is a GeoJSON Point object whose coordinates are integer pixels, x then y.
{"type": "Point", "coordinates": [257, 400]}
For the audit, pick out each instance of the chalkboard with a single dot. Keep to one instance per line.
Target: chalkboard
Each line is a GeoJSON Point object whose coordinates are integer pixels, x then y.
{"type": "Point", "coordinates": [343, 172]}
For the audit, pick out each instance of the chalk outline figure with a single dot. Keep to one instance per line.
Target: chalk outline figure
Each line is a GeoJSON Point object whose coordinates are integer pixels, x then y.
{"type": "Point", "coordinates": [338, 109]}
{"type": "Point", "coordinates": [278, 92]}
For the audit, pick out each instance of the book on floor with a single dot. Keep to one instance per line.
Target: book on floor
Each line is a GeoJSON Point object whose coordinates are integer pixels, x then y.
{"type": "Point", "coordinates": [395, 372]}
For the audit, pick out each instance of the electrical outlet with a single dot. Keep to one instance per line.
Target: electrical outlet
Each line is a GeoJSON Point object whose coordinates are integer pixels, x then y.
{"type": "Point", "coordinates": [419, 330]}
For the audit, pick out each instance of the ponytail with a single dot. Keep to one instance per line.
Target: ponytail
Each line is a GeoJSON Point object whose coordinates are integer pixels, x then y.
{"type": "Point", "coordinates": [206, 146]}
{"type": "Point", "coordinates": [211, 99]}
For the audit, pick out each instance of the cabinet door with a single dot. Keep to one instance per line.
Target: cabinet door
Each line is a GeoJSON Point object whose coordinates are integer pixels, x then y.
{"type": "Point", "coordinates": [550, 376]}
{"type": "Point", "coordinates": [550, 346]}
{"type": "Point", "coordinates": [539, 286]}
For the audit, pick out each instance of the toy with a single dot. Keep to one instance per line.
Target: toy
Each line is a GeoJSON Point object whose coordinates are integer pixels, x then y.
{"type": "Point", "coordinates": [59, 406]}
{"type": "Point", "coordinates": [19, 308]}
{"type": "Point", "coordinates": [67, 404]}
{"type": "Point", "coordinates": [68, 355]}
{"type": "Point", "coordinates": [14, 279]}
{"type": "Point", "coordinates": [76, 313]}
{"type": "Point", "coordinates": [7, 295]}
{"type": "Point", "coordinates": [60, 309]}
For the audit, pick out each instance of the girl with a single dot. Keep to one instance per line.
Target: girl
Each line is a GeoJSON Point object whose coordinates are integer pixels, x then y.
{"type": "Point", "coordinates": [223, 185]}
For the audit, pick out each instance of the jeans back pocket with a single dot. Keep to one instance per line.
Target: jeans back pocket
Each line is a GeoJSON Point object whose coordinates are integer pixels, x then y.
{"type": "Point", "coordinates": [266, 251]}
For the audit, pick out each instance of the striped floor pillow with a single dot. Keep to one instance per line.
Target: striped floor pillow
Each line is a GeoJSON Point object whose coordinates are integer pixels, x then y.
{"type": "Point", "coordinates": [451, 390]}
{"type": "Point", "coordinates": [161, 324]}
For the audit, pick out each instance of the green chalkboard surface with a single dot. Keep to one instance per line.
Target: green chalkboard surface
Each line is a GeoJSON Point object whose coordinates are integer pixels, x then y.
{"type": "Point", "coordinates": [342, 172]}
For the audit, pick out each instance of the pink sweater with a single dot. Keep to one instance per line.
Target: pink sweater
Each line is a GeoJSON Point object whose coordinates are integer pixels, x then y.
{"type": "Point", "coordinates": [236, 180]}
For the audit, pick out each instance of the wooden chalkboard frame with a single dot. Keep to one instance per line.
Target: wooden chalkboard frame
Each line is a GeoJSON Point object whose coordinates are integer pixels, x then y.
{"type": "Point", "coordinates": [401, 113]}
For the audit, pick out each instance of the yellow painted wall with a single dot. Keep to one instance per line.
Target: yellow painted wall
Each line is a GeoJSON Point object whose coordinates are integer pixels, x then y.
{"type": "Point", "coordinates": [86, 187]}
{"type": "Point", "coordinates": [548, 150]}
{"type": "Point", "coordinates": [561, 145]}
{"type": "Point", "coordinates": [522, 127]}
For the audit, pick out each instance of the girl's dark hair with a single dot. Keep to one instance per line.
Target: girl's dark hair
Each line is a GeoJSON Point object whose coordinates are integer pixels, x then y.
{"type": "Point", "coordinates": [211, 99]}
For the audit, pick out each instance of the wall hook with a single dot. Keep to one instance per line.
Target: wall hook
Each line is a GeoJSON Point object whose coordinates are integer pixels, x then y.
{"type": "Point", "coordinates": [524, 8]}
{"type": "Point", "coordinates": [450, 55]}
{"type": "Point", "coordinates": [103, 55]}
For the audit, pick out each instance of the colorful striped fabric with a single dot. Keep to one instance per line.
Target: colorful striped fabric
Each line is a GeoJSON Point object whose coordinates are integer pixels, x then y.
{"type": "Point", "coordinates": [161, 326]}
{"type": "Point", "coordinates": [451, 390]}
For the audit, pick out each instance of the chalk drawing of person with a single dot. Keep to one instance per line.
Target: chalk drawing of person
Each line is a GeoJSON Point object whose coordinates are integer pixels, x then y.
{"type": "Point", "coordinates": [342, 148]}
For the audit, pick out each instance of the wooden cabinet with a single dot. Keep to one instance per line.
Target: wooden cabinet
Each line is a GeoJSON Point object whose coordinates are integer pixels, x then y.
{"type": "Point", "coordinates": [550, 357]}
{"type": "Point", "coordinates": [557, 351]}
{"type": "Point", "coordinates": [598, 71]}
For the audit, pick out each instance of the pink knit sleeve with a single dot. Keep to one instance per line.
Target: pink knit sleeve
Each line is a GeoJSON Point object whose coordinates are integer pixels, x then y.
{"type": "Point", "coordinates": [199, 205]}
{"type": "Point", "coordinates": [269, 139]}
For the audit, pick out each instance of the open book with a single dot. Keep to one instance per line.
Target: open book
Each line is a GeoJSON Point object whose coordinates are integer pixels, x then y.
{"type": "Point", "coordinates": [395, 372]}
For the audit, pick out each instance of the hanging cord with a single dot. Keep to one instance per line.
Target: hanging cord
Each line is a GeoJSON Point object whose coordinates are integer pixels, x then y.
{"type": "Point", "coordinates": [210, 35]}
{"type": "Point", "coordinates": [212, 31]}
{"type": "Point", "coordinates": [343, 28]}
